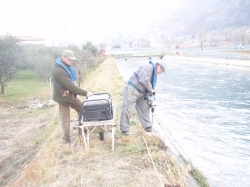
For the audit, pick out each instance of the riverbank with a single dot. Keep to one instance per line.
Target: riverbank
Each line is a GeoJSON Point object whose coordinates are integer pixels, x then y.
{"type": "Point", "coordinates": [57, 164]}
{"type": "Point", "coordinates": [237, 64]}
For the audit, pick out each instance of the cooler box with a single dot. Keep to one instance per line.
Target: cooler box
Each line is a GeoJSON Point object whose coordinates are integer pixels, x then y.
{"type": "Point", "coordinates": [97, 108]}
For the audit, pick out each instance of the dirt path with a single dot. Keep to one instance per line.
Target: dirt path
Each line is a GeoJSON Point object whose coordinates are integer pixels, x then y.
{"type": "Point", "coordinates": [20, 137]}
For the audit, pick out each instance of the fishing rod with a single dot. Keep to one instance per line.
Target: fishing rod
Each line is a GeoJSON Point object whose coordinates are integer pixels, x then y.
{"type": "Point", "coordinates": [149, 97]}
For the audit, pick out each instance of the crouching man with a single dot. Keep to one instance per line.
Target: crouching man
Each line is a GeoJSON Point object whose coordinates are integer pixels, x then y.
{"type": "Point", "coordinates": [141, 82]}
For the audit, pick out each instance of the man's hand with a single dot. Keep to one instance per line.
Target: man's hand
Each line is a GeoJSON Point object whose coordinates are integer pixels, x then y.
{"type": "Point", "coordinates": [65, 93]}
{"type": "Point", "coordinates": [89, 94]}
{"type": "Point", "coordinates": [149, 104]}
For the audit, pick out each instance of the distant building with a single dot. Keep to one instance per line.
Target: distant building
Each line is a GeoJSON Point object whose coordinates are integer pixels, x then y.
{"type": "Point", "coordinates": [27, 39]}
{"type": "Point", "coordinates": [104, 48]}
{"type": "Point", "coordinates": [140, 44]}
{"type": "Point", "coordinates": [152, 37]}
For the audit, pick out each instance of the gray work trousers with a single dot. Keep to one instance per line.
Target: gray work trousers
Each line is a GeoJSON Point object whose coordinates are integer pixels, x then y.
{"type": "Point", "coordinates": [132, 99]}
{"type": "Point", "coordinates": [64, 113]}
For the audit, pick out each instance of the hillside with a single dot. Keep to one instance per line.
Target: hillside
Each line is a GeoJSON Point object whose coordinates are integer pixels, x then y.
{"type": "Point", "coordinates": [224, 14]}
{"type": "Point", "coordinates": [193, 15]}
{"type": "Point", "coordinates": [45, 161]}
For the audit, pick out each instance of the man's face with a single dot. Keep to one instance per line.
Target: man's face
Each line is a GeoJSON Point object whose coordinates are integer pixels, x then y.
{"type": "Point", "coordinates": [159, 69]}
{"type": "Point", "coordinates": [67, 61]}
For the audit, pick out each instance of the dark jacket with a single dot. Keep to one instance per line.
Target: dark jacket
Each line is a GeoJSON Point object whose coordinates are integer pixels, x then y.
{"type": "Point", "coordinates": [61, 83]}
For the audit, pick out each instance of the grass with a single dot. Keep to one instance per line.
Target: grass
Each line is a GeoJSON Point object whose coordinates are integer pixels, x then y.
{"type": "Point", "coordinates": [57, 164]}
{"type": "Point", "coordinates": [23, 87]}
{"type": "Point", "coordinates": [22, 131]}
{"type": "Point", "coordinates": [198, 176]}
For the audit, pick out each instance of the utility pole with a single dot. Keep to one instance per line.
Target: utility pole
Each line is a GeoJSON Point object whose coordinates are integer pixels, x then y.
{"type": "Point", "coordinates": [233, 41]}
{"type": "Point", "coordinates": [64, 36]}
{"type": "Point", "coordinates": [246, 40]}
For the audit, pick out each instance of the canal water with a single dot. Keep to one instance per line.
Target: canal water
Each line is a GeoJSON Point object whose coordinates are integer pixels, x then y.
{"type": "Point", "coordinates": [206, 108]}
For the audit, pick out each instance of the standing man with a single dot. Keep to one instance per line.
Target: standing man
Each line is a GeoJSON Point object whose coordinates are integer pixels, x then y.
{"type": "Point", "coordinates": [142, 82]}
{"type": "Point", "coordinates": [65, 91]}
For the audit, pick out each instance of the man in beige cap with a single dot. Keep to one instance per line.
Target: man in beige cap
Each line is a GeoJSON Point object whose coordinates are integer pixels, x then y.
{"type": "Point", "coordinates": [65, 91]}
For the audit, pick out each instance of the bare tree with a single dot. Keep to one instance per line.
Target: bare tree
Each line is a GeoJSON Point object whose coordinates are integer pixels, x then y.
{"type": "Point", "coordinates": [201, 35]}
{"type": "Point", "coordinates": [10, 51]}
{"type": "Point", "coordinates": [84, 62]}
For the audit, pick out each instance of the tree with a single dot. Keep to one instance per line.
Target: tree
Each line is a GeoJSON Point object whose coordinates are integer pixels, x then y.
{"type": "Point", "coordinates": [44, 66]}
{"type": "Point", "coordinates": [41, 59]}
{"type": "Point", "coordinates": [201, 35]}
{"type": "Point", "coordinates": [93, 49]}
{"type": "Point", "coordinates": [10, 51]}
{"type": "Point", "coordinates": [84, 61]}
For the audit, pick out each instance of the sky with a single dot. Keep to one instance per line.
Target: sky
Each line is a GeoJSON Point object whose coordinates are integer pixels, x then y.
{"type": "Point", "coordinates": [74, 21]}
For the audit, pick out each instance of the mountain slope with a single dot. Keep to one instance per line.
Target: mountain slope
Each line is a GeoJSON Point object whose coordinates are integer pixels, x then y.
{"type": "Point", "coordinates": [210, 15]}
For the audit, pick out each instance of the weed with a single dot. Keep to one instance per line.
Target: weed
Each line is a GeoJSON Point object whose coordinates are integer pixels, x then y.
{"type": "Point", "coordinates": [200, 178]}
{"type": "Point", "coordinates": [38, 141]}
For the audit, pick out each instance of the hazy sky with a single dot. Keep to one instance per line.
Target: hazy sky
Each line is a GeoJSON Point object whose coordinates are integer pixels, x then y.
{"type": "Point", "coordinates": [78, 20]}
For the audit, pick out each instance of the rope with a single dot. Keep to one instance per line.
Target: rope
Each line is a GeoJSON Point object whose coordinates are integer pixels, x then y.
{"type": "Point", "coordinates": [171, 138]}
{"type": "Point", "coordinates": [168, 134]}
{"type": "Point", "coordinates": [153, 162]}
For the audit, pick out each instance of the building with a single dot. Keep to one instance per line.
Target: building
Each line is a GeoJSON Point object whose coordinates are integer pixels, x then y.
{"type": "Point", "coordinates": [27, 39]}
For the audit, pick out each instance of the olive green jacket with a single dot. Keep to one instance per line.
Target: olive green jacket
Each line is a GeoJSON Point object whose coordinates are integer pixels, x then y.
{"type": "Point", "coordinates": [62, 83]}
